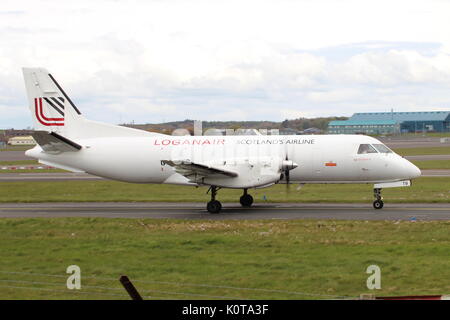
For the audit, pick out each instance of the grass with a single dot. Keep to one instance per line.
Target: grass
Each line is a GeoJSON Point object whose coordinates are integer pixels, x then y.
{"type": "Point", "coordinates": [316, 257]}
{"type": "Point", "coordinates": [422, 151]}
{"type": "Point", "coordinates": [16, 148]}
{"type": "Point", "coordinates": [427, 189]}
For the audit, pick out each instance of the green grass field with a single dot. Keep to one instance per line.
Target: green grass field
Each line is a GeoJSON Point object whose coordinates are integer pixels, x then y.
{"type": "Point", "coordinates": [165, 257]}
{"type": "Point", "coordinates": [423, 190]}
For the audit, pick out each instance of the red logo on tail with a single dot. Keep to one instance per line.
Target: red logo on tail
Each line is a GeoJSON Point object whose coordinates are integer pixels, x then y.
{"type": "Point", "coordinates": [42, 118]}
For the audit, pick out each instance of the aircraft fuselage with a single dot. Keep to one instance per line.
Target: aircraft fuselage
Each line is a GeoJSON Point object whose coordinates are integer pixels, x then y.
{"type": "Point", "coordinates": [257, 159]}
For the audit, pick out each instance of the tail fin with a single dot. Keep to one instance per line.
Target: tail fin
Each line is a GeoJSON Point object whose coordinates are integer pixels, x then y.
{"type": "Point", "coordinates": [50, 106]}
{"type": "Point", "coordinates": [53, 111]}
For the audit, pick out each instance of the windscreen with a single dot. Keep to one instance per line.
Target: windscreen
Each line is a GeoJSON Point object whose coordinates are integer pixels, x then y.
{"type": "Point", "coordinates": [382, 148]}
{"type": "Point", "coordinates": [366, 148]}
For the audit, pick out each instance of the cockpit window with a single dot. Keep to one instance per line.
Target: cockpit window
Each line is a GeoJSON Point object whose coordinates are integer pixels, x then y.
{"type": "Point", "coordinates": [382, 148]}
{"type": "Point", "coordinates": [366, 148]}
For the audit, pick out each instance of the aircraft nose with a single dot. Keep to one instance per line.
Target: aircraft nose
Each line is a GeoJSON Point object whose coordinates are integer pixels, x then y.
{"type": "Point", "coordinates": [404, 169]}
{"type": "Point", "coordinates": [410, 170]}
{"type": "Point", "coordinates": [413, 171]}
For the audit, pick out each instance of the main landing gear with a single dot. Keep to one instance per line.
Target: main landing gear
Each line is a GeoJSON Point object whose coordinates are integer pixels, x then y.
{"type": "Point", "coordinates": [378, 203]}
{"type": "Point", "coordinates": [246, 200]}
{"type": "Point", "coordinates": [214, 206]}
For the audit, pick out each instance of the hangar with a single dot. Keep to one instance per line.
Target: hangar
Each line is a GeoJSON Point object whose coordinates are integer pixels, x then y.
{"type": "Point", "coordinates": [392, 123]}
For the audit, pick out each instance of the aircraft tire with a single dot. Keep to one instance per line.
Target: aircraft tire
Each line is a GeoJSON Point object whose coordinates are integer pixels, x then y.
{"type": "Point", "coordinates": [214, 206]}
{"type": "Point", "coordinates": [378, 204]}
{"type": "Point", "coordinates": [246, 200]}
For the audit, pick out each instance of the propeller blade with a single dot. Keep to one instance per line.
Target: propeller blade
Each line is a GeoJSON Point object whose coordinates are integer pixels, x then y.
{"type": "Point", "coordinates": [286, 173]}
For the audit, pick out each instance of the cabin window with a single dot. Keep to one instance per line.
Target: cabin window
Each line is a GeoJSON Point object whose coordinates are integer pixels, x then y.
{"type": "Point", "coordinates": [382, 148]}
{"type": "Point", "coordinates": [366, 148]}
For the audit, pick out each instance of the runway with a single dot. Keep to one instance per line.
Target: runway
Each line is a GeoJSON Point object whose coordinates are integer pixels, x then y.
{"type": "Point", "coordinates": [14, 156]}
{"type": "Point", "coordinates": [197, 211]}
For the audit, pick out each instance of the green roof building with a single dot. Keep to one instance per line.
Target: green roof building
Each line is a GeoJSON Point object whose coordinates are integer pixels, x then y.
{"type": "Point", "coordinates": [392, 123]}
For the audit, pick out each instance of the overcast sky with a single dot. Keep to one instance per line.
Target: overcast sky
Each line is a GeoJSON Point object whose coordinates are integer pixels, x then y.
{"type": "Point", "coordinates": [154, 61]}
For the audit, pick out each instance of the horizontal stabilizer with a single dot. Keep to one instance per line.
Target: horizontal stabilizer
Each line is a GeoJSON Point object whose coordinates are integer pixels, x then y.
{"type": "Point", "coordinates": [52, 142]}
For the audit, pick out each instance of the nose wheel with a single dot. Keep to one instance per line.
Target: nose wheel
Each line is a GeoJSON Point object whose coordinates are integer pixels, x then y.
{"type": "Point", "coordinates": [213, 206]}
{"type": "Point", "coordinates": [378, 203]}
{"type": "Point", "coordinates": [246, 200]}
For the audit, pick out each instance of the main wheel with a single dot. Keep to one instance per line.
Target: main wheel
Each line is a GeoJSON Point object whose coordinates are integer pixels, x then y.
{"type": "Point", "coordinates": [246, 200]}
{"type": "Point", "coordinates": [214, 206]}
{"type": "Point", "coordinates": [378, 204]}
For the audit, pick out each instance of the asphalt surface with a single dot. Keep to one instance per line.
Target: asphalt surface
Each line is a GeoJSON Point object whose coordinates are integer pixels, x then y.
{"type": "Point", "coordinates": [195, 211]}
{"type": "Point", "coordinates": [435, 173]}
{"type": "Point", "coordinates": [14, 156]}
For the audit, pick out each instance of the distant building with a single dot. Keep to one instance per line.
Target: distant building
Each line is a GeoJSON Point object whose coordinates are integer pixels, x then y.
{"type": "Point", "coordinates": [364, 127]}
{"type": "Point", "coordinates": [16, 133]}
{"type": "Point", "coordinates": [288, 131]}
{"type": "Point", "coordinates": [22, 141]}
{"type": "Point", "coordinates": [312, 130]}
{"type": "Point", "coordinates": [392, 123]}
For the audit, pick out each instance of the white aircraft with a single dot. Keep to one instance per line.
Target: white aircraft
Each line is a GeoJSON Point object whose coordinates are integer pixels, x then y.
{"type": "Point", "coordinates": [69, 141]}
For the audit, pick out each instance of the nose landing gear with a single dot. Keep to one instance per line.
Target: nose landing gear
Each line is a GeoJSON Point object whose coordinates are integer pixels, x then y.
{"type": "Point", "coordinates": [378, 203]}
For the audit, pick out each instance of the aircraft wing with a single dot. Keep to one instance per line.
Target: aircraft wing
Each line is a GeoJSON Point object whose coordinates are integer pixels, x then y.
{"type": "Point", "coordinates": [194, 171]}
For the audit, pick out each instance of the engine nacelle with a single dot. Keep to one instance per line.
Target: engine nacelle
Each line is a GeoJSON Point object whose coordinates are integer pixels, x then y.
{"type": "Point", "coordinates": [252, 172]}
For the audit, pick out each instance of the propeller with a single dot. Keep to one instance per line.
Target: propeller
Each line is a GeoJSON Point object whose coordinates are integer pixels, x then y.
{"type": "Point", "coordinates": [286, 166]}
{"type": "Point", "coordinates": [286, 172]}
